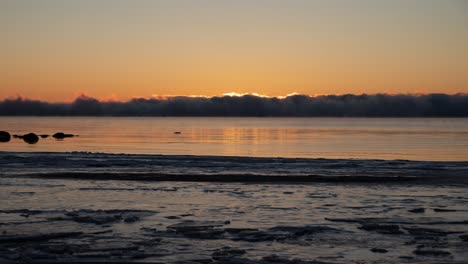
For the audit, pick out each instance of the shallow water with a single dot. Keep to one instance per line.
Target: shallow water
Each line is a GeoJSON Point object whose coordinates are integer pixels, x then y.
{"type": "Point", "coordinates": [368, 138]}
{"type": "Point", "coordinates": [261, 206]}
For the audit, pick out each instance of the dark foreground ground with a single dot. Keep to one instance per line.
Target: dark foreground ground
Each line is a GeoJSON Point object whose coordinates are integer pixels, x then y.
{"type": "Point", "coordinates": [48, 219]}
{"type": "Point", "coordinates": [79, 221]}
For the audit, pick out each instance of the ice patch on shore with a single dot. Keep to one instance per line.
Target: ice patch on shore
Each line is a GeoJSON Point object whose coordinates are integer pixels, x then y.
{"type": "Point", "coordinates": [219, 168]}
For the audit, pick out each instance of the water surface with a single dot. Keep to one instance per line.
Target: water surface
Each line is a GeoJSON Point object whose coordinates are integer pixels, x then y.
{"type": "Point", "coordinates": [369, 138]}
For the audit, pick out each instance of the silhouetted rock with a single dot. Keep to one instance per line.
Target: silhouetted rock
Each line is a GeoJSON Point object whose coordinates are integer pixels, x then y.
{"type": "Point", "coordinates": [236, 230]}
{"type": "Point", "coordinates": [214, 233]}
{"type": "Point", "coordinates": [61, 135]}
{"type": "Point", "coordinates": [441, 210]}
{"type": "Point", "coordinates": [227, 253]}
{"type": "Point", "coordinates": [172, 217]}
{"type": "Point", "coordinates": [189, 226]}
{"type": "Point", "coordinates": [424, 231]}
{"type": "Point", "coordinates": [44, 136]}
{"type": "Point", "coordinates": [4, 136]}
{"type": "Point", "coordinates": [302, 230]}
{"type": "Point", "coordinates": [30, 138]}
{"type": "Point", "coordinates": [417, 210]}
{"type": "Point", "coordinates": [382, 229]}
{"type": "Point", "coordinates": [406, 257]}
{"type": "Point", "coordinates": [37, 237]}
{"type": "Point", "coordinates": [379, 250]}
{"type": "Point", "coordinates": [131, 219]}
{"type": "Point", "coordinates": [102, 217]}
{"type": "Point", "coordinates": [431, 252]}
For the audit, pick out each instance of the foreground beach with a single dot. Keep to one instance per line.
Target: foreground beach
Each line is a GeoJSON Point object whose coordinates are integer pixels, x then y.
{"type": "Point", "coordinates": [84, 207]}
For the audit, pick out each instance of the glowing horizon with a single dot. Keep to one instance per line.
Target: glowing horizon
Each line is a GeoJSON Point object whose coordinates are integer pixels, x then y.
{"type": "Point", "coordinates": [116, 50]}
{"type": "Point", "coordinates": [228, 94]}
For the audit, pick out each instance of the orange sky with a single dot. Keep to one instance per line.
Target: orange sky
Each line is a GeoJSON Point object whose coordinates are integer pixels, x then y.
{"type": "Point", "coordinates": [55, 50]}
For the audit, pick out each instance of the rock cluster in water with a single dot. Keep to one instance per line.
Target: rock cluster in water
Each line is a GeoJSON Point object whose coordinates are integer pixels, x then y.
{"type": "Point", "coordinates": [32, 138]}
{"type": "Point", "coordinates": [4, 136]}
{"type": "Point", "coordinates": [61, 135]}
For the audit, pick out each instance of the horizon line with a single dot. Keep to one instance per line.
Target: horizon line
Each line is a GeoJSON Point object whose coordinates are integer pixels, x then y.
{"type": "Point", "coordinates": [377, 105]}
{"type": "Point", "coordinates": [162, 97]}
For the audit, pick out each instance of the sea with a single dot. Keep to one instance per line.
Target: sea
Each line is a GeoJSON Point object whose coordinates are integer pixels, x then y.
{"type": "Point", "coordinates": [235, 190]}
{"type": "Point", "coordinates": [423, 139]}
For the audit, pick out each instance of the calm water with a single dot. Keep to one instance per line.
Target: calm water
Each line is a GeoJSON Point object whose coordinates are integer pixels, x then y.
{"type": "Point", "coordinates": [372, 138]}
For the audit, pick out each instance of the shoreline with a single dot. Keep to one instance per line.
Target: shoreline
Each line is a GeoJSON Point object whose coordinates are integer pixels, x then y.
{"type": "Point", "coordinates": [232, 157]}
{"type": "Point", "coordinates": [135, 167]}
{"type": "Point", "coordinates": [245, 178]}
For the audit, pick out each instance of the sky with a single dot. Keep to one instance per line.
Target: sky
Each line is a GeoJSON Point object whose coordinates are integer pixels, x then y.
{"type": "Point", "coordinates": [55, 50]}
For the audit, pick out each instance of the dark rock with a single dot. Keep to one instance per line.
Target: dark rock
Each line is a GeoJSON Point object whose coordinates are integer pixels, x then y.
{"type": "Point", "coordinates": [38, 237]}
{"type": "Point", "coordinates": [234, 230]}
{"type": "Point", "coordinates": [177, 132]}
{"type": "Point", "coordinates": [433, 238]}
{"type": "Point", "coordinates": [113, 247]}
{"type": "Point", "coordinates": [302, 230]}
{"type": "Point", "coordinates": [98, 219]}
{"type": "Point", "coordinates": [131, 219]}
{"type": "Point", "coordinates": [30, 138]}
{"type": "Point", "coordinates": [58, 249]}
{"type": "Point", "coordinates": [406, 257]}
{"type": "Point", "coordinates": [226, 253]}
{"type": "Point", "coordinates": [259, 236]}
{"type": "Point", "coordinates": [379, 220]}
{"type": "Point", "coordinates": [93, 255]}
{"type": "Point", "coordinates": [102, 217]}
{"type": "Point", "coordinates": [275, 258]}
{"type": "Point", "coordinates": [44, 136]}
{"type": "Point", "coordinates": [430, 252]}
{"type": "Point", "coordinates": [329, 195]}
{"type": "Point", "coordinates": [215, 233]}
{"type": "Point", "coordinates": [417, 210]}
{"type": "Point", "coordinates": [61, 135]}
{"type": "Point", "coordinates": [379, 250]}
{"type": "Point", "coordinates": [420, 231]}
{"type": "Point", "coordinates": [172, 217]}
{"type": "Point", "coordinates": [189, 226]}
{"type": "Point", "coordinates": [149, 229]}
{"type": "Point", "coordinates": [464, 238]}
{"type": "Point", "coordinates": [4, 136]}
{"type": "Point", "coordinates": [440, 210]}
{"type": "Point", "coordinates": [277, 233]}
{"type": "Point", "coordinates": [281, 260]}
{"type": "Point", "coordinates": [101, 232]}
{"type": "Point", "coordinates": [185, 215]}
{"type": "Point", "coordinates": [22, 211]}
{"type": "Point", "coordinates": [71, 214]}
{"type": "Point", "coordinates": [382, 229]}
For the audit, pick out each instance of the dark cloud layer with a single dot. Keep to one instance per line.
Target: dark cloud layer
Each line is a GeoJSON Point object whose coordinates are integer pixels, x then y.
{"type": "Point", "coordinates": [379, 105]}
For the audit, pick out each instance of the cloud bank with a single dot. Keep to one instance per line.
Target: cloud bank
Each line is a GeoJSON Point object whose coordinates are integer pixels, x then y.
{"type": "Point", "coordinates": [349, 105]}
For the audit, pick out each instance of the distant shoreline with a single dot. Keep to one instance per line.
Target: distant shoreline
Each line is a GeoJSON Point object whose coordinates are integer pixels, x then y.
{"type": "Point", "coordinates": [297, 105]}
